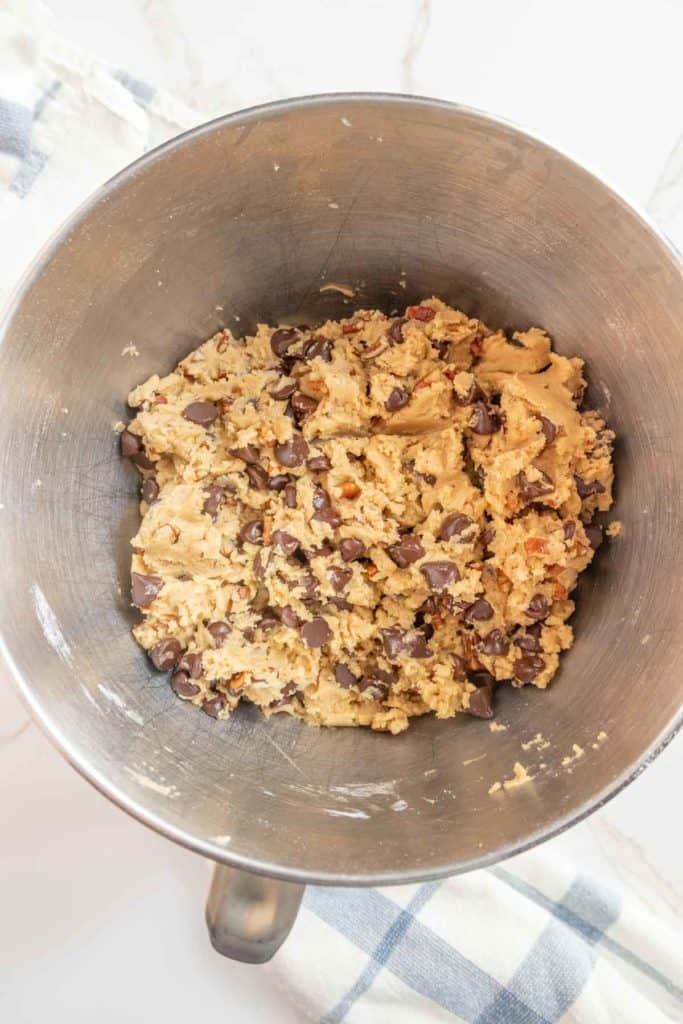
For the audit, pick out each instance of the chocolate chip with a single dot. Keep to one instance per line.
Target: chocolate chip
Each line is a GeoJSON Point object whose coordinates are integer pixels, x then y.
{"type": "Point", "coordinates": [441, 347]}
{"type": "Point", "coordinates": [569, 529]}
{"type": "Point", "coordinates": [192, 664]}
{"type": "Point", "coordinates": [529, 490]}
{"type": "Point", "coordinates": [282, 339]}
{"type": "Point", "coordinates": [340, 578]}
{"type": "Point", "coordinates": [219, 631]}
{"type": "Point", "coordinates": [288, 617]}
{"type": "Point", "coordinates": [376, 682]}
{"type": "Point", "coordinates": [344, 676]}
{"type": "Point", "coordinates": [538, 608]}
{"type": "Point", "coordinates": [406, 551]}
{"type": "Point", "coordinates": [302, 405]}
{"type": "Point", "coordinates": [281, 394]}
{"type": "Point", "coordinates": [481, 702]}
{"type": "Point", "coordinates": [398, 399]}
{"type": "Point", "coordinates": [440, 575]}
{"type": "Point", "coordinates": [292, 453]}
{"type": "Point", "coordinates": [488, 534]}
{"type": "Point", "coordinates": [395, 332]}
{"type": "Point", "coordinates": [481, 677]}
{"type": "Point", "coordinates": [318, 348]}
{"type": "Point", "coordinates": [248, 454]}
{"type": "Point", "coordinates": [252, 531]}
{"type": "Point", "coordinates": [351, 548]}
{"type": "Point", "coordinates": [144, 589]}
{"type": "Point", "coordinates": [165, 654]}
{"type": "Point", "coordinates": [495, 644]}
{"type": "Point", "coordinates": [531, 639]}
{"type": "Point", "coordinates": [278, 482]}
{"type": "Point", "coordinates": [214, 705]}
{"type": "Point", "coordinates": [285, 542]}
{"type": "Point", "coordinates": [201, 413]}
{"type": "Point", "coordinates": [133, 448]}
{"type": "Point", "coordinates": [426, 628]}
{"type": "Point", "coordinates": [485, 421]}
{"type": "Point", "coordinates": [285, 698]}
{"type": "Point", "coordinates": [290, 495]}
{"type": "Point", "coordinates": [594, 534]}
{"type": "Point", "coordinates": [339, 603]}
{"type": "Point", "coordinates": [324, 512]}
{"type": "Point", "coordinates": [586, 488]}
{"type": "Point", "coordinates": [181, 685]}
{"type": "Point", "coordinates": [259, 567]}
{"type": "Point", "coordinates": [309, 587]}
{"type": "Point", "coordinates": [261, 599]}
{"type": "Point", "coordinates": [214, 496]}
{"type": "Point", "coordinates": [528, 667]}
{"type": "Point", "coordinates": [319, 464]}
{"type": "Point", "coordinates": [453, 526]}
{"type": "Point", "coordinates": [458, 666]}
{"type": "Point", "coordinates": [258, 477]}
{"type": "Point", "coordinates": [269, 620]}
{"type": "Point", "coordinates": [478, 611]}
{"type": "Point", "coordinates": [415, 644]}
{"type": "Point", "coordinates": [150, 490]}
{"type": "Point", "coordinates": [472, 395]}
{"type": "Point", "coordinates": [392, 638]}
{"type": "Point", "coordinates": [316, 632]}
{"type": "Point", "coordinates": [549, 429]}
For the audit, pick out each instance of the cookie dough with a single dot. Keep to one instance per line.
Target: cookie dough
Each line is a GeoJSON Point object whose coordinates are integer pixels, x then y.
{"type": "Point", "coordinates": [369, 520]}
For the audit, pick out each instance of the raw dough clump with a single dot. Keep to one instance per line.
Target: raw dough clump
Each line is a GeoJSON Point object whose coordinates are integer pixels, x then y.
{"type": "Point", "coordinates": [364, 521]}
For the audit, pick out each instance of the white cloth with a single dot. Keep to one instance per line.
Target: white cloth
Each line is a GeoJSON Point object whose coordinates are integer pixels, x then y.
{"type": "Point", "coordinates": [528, 942]}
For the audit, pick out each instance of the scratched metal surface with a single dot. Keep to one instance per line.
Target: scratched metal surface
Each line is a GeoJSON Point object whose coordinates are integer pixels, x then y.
{"type": "Point", "coordinates": [368, 190]}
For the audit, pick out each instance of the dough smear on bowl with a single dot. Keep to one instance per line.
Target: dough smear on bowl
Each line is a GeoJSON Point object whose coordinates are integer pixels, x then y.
{"type": "Point", "coordinates": [364, 521]}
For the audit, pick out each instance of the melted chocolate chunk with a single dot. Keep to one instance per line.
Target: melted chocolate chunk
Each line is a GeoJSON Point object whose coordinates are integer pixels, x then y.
{"type": "Point", "coordinates": [395, 332]}
{"type": "Point", "coordinates": [453, 526]}
{"type": "Point", "coordinates": [485, 421]}
{"type": "Point", "coordinates": [214, 497]}
{"type": "Point", "coordinates": [319, 464]}
{"type": "Point", "coordinates": [528, 667]}
{"type": "Point", "coordinates": [344, 676]}
{"type": "Point", "coordinates": [285, 541]}
{"type": "Point", "coordinates": [406, 551]}
{"type": "Point", "coordinates": [258, 478]}
{"type": "Point", "coordinates": [316, 632]}
{"type": "Point", "coordinates": [539, 608]}
{"type": "Point", "coordinates": [479, 611]}
{"type": "Point", "coordinates": [165, 654]}
{"type": "Point", "coordinates": [530, 490]}
{"type": "Point", "coordinates": [351, 548]}
{"type": "Point", "coordinates": [340, 578]}
{"type": "Point", "coordinates": [292, 453]}
{"type": "Point", "coordinates": [440, 575]}
{"type": "Point", "coordinates": [587, 488]}
{"type": "Point", "coordinates": [181, 685]}
{"type": "Point", "coordinates": [248, 454]}
{"type": "Point", "coordinates": [201, 413]}
{"type": "Point", "coordinates": [397, 399]}
{"type": "Point", "coordinates": [150, 490]}
{"type": "Point", "coordinates": [219, 631]}
{"type": "Point", "coordinates": [252, 531]}
{"type": "Point", "coordinates": [282, 339]}
{"type": "Point", "coordinates": [318, 348]}
{"type": "Point", "coordinates": [144, 589]}
{"type": "Point", "coordinates": [549, 429]}
{"type": "Point", "coordinates": [495, 644]}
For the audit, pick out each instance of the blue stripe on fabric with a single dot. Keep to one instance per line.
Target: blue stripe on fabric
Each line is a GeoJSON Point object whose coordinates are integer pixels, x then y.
{"type": "Point", "coordinates": [554, 972]}
{"type": "Point", "coordinates": [387, 943]}
{"type": "Point", "coordinates": [578, 922]}
{"type": "Point", "coordinates": [422, 959]}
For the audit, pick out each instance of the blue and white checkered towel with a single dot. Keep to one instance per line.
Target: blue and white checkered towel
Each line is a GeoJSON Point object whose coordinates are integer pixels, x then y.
{"type": "Point", "coordinates": [530, 942]}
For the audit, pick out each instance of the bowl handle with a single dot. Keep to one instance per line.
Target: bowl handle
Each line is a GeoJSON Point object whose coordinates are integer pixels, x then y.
{"type": "Point", "coordinates": [250, 916]}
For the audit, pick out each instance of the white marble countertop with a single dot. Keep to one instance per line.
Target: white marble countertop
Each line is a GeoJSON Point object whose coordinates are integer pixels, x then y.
{"type": "Point", "coordinates": [95, 907]}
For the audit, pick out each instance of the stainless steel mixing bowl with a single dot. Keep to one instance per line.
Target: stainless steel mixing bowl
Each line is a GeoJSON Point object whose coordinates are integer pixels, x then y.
{"type": "Point", "coordinates": [246, 219]}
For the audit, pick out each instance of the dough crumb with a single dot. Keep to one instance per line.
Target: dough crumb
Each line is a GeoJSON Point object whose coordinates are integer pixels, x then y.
{"type": "Point", "coordinates": [520, 777]}
{"type": "Point", "coordinates": [345, 121]}
{"type": "Point", "coordinates": [538, 742]}
{"type": "Point", "coordinates": [578, 752]}
{"type": "Point", "coordinates": [473, 760]}
{"type": "Point", "coordinates": [645, 639]}
{"type": "Point", "coordinates": [494, 788]}
{"type": "Point", "coordinates": [118, 426]}
{"type": "Point", "coordinates": [497, 727]}
{"type": "Point", "coordinates": [130, 350]}
{"type": "Point", "coordinates": [333, 206]}
{"type": "Point", "coordinates": [614, 529]}
{"type": "Point", "coordinates": [602, 736]}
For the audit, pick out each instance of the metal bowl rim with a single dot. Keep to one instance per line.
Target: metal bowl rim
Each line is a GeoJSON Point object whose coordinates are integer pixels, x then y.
{"type": "Point", "coordinates": [51, 727]}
